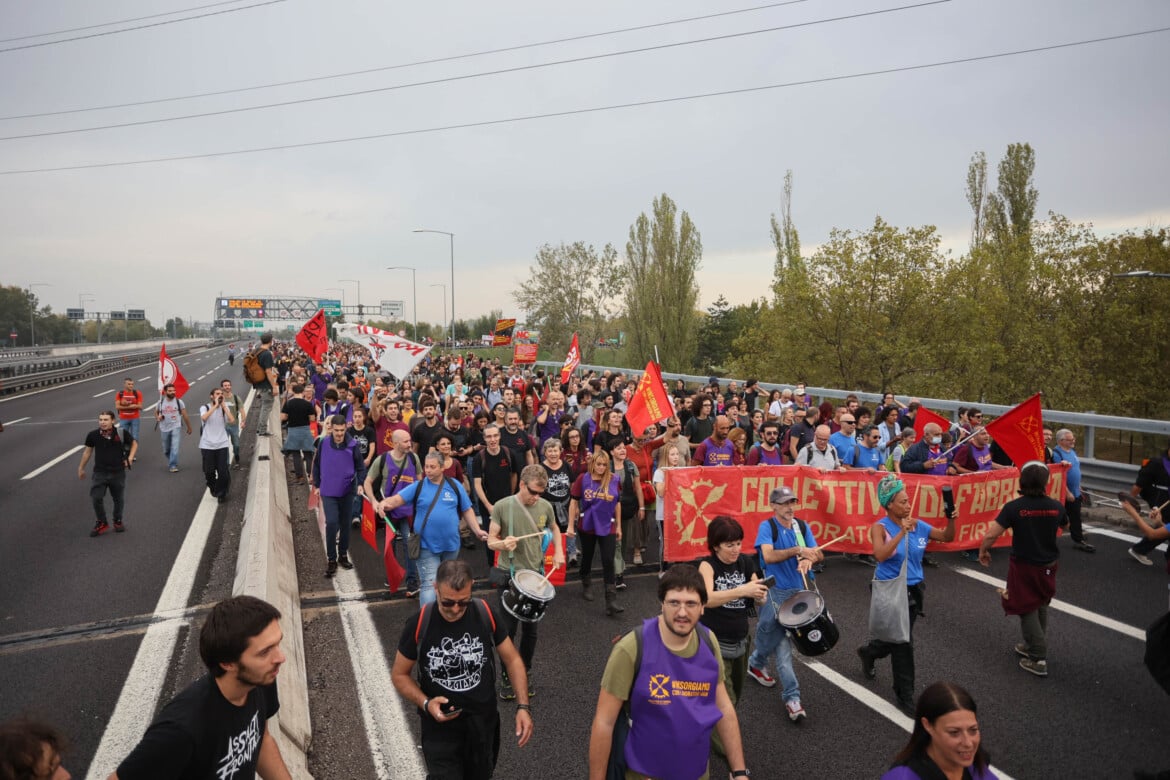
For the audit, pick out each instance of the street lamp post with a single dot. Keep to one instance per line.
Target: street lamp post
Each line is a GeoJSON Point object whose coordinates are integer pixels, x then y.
{"type": "Point", "coordinates": [445, 307]}
{"type": "Point", "coordinates": [1141, 275]}
{"type": "Point", "coordinates": [452, 237]}
{"type": "Point", "coordinates": [32, 310]}
{"type": "Point", "coordinates": [359, 295]}
{"type": "Point", "coordinates": [414, 293]}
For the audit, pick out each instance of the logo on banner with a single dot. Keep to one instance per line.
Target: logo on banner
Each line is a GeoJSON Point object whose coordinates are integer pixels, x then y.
{"type": "Point", "coordinates": [692, 509]}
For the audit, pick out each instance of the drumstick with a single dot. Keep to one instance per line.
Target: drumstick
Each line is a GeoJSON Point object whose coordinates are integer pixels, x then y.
{"type": "Point", "coordinates": [834, 541]}
{"type": "Point", "coordinates": [529, 536]}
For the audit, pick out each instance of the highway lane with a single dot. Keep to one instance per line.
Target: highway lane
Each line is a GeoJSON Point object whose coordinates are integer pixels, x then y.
{"type": "Point", "coordinates": [55, 579]}
{"type": "Point", "coordinates": [1097, 716]}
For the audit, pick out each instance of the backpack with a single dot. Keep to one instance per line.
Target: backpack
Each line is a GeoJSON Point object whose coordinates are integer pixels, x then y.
{"type": "Point", "coordinates": [800, 525]}
{"type": "Point", "coordinates": [253, 373]}
{"type": "Point", "coordinates": [379, 466]}
{"type": "Point", "coordinates": [621, 727]}
{"type": "Point", "coordinates": [483, 460]}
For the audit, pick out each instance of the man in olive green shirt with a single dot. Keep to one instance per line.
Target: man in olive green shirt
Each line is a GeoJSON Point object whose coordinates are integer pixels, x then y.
{"type": "Point", "coordinates": [517, 516]}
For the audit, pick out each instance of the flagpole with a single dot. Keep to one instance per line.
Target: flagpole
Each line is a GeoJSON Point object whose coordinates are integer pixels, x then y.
{"type": "Point", "coordinates": [963, 440]}
{"type": "Point", "coordinates": [656, 360]}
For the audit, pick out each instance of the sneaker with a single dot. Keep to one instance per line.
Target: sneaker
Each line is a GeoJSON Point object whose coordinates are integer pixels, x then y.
{"type": "Point", "coordinates": [331, 569]}
{"type": "Point", "coordinates": [638, 558]}
{"type": "Point", "coordinates": [761, 676]}
{"type": "Point", "coordinates": [174, 469]}
{"type": "Point", "coordinates": [1084, 546]}
{"type": "Point", "coordinates": [99, 528]}
{"type": "Point", "coordinates": [118, 527]}
{"type": "Point", "coordinates": [506, 691]}
{"type": "Point", "coordinates": [236, 466]}
{"type": "Point", "coordinates": [620, 583]}
{"type": "Point", "coordinates": [970, 555]}
{"type": "Point", "coordinates": [344, 562]}
{"type": "Point", "coordinates": [355, 523]}
{"type": "Point", "coordinates": [1137, 556]}
{"type": "Point", "coordinates": [795, 711]}
{"type": "Point", "coordinates": [1021, 650]}
{"type": "Point", "coordinates": [929, 560]}
{"type": "Point", "coordinates": [574, 560]}
{"type": "Point", "coordinates": [412, 590]}
{"type": "Point", "coordinates": [1038, 667]}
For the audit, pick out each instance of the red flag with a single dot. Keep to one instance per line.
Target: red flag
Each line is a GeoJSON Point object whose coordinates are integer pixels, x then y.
{"type": "Point", "coordinates": [572, 361]}
{"type": "Point", "coordinates": [169, 374]}
{"type": "Point", "coordinates": [395, 574]}
{"type": "Point", "coordinates": [313, 338]}
{"type": "Point", "coordinates": [1020, 431]}
{"type": "Point", "coordinates": [650, 402]}
{"type": "Point", "coordinates": [369, 523]}
{"type": "Point", "coordinates": [924, 416]}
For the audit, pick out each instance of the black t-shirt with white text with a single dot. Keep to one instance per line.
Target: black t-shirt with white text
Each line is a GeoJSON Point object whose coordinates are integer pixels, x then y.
{"type": "Point", "coordinates": [200, 735]}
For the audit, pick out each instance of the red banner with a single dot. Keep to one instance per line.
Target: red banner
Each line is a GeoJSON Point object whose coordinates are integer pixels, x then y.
{"type": "Point", "coordinates": [502, 333]}
{"type": "Point", "coordinates": [833, 503]}
{"type": "Point", "coordinates": [524, 353]}
{"type": "Point", "coordinates": [169, 374]}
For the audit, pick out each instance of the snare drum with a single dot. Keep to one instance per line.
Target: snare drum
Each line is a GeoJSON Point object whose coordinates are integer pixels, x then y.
{"type": "Point", "coordinates": [809, 623]}
{"type": "Point", "coordinates": [527, 596]}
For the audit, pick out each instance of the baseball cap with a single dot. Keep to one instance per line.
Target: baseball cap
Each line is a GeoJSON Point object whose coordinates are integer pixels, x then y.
{"type": "Point", "coordinates": [781, 495]}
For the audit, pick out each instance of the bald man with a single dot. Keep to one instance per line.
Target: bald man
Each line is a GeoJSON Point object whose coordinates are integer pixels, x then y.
{"type": "Point", "coordinates": [926, 455]}
{"type": "Point", "coordinates": [819, 453]}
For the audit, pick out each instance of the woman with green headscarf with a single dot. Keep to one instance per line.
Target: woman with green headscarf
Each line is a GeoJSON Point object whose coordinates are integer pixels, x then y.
{"type": "Point", "coordinates": [898, 538]}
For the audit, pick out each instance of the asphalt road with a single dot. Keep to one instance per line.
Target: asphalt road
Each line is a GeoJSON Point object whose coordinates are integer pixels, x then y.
{"type": "Point", "coordinates": [73, 610]}
{"type": "Point", "coordinates": [1098, 715]}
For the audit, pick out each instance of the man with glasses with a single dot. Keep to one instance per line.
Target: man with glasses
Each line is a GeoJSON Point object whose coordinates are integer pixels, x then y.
{"type": "Point", "coordinates": [844, 440]}
{"type": "Point", "coordinates": [456, 689]}
{"type": "Point", "coordinates": [666, 676]}
{"type": "Point", "coordinates": [867, 453]}
{"type": "Point", "coordinates": [819, 454]}
{"type": "Point", "coordinates": [766, 452]}
{"type": "Point", "coordinates": [516, 517]}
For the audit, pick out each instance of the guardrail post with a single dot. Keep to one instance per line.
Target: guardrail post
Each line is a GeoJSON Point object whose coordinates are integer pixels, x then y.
{"type": "Point", "coordinates": [1090, 440]}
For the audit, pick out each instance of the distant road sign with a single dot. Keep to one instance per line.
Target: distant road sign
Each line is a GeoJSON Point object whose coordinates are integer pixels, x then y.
{"type": "Point", "coordinates": [393, 310]}
{"type": "Point", "coordinates": [117, 315]}
{"type": "Point", "coordinates": [331, 306]}
{"type": "Point", "coordinates": [75, 314]}
{"type": "Point", "coordinates": [136, 314]}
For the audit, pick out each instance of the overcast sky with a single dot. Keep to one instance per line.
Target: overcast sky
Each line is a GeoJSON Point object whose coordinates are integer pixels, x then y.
{"type": "Point", "coordinates": [172, 236]}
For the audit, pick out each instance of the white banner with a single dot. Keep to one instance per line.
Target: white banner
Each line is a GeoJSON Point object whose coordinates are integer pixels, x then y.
{"type": "Point", "coordinates": [397, 355]}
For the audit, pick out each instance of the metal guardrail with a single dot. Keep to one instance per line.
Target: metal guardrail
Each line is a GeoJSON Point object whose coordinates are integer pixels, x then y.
{"type": "Point", "coordinates": [19, 384]}
{"type": "Point", "coordinates": [1099, 475]}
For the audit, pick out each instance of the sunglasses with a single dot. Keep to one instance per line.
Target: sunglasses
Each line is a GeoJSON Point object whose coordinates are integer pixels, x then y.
{"type": "Point", "coordinates": [537, 493]}
{"type": "Point", "coordinates": [453, 603]}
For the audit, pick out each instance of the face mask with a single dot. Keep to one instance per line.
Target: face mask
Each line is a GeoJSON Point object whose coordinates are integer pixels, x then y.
{"type": "Point", "coordinates": [936, 440]}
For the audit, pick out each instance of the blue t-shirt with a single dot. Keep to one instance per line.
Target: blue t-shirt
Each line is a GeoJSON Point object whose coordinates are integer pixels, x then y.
{"type": "Point", "coordinates": [844, 445]}
{"type": "Point", "coordinates": [868, 458]}
{"type": "Point", "coordinates": [441, 533]}
{"type": "Point", "coordinates": [786, 572]}
{"type": "Point", "coordinates": [1072, 480]}
{"type": "Point", "coordinates": [889, 568]}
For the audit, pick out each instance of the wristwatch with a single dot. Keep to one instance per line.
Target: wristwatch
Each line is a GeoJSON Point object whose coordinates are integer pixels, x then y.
{"type": "Point", "coordinates": [740, 773]}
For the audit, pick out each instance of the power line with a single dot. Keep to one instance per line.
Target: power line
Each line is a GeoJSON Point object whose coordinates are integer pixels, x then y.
{"type": "Point", "coordinates": [139, 27]}
{"type": "Point", "coordinates": [467, 76]}
{"type": "Point", "coordinates": [119, 21]}
{"type": "Point", "coordinates": [594, 109]}
{"type": "Point", "coordinates": [451, 58]}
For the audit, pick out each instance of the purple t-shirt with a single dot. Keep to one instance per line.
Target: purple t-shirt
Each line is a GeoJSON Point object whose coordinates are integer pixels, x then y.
{"type": "Point", "coordinates": [597, 503]}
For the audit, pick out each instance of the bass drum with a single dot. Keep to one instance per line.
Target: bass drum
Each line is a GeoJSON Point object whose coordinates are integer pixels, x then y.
{"type": "Point", "coordinates": [809, 623]}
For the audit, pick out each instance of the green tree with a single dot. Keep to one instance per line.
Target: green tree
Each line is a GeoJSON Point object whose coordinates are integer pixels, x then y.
{"type": "Point", "coordinates": [784, 235]}
{"type": "Point", "coordinates": [977, 197]}
{"type": "Point", "coordinates": [662, 255]}
{"type": "Point", "coordinates": [1012, 207]}
{"type": "Point", "coordinates": [571, 288]}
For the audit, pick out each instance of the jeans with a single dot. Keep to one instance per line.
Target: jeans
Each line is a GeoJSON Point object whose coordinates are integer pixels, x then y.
{"type": "Point", "coordinates": [608, 545]}
{"type": "Point", "coordinates": [338, 512]}
{"type": "Point", "coordinates": [772, 639]}
{"type": "Point", "coordinates": [170, 446]}
{"type": "Point", "coordinates": [215, 471]}
{"type": "Point", "coordinates": [428, 566]}
{"type": "Point", "coordinates": [234, 433]}
{"type": "Point", "coordinates": [130, 425]}
{"type": "Point", "coordinates": [115, 482]}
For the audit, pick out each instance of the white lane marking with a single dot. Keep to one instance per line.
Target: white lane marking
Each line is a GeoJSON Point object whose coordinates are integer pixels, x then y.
{"type": "Point", "coordinates": [1131, 538]}
{"type": "Point", "coordinates": [17, 420]}
{"type": "Point", "coordinates": [873, 701]}
{"type": "Point", "coordinates": [143, 379]}
{"type": "Point", "coordinates": [151, 407]}
{"type": "Point", "coordinates": [148, 674]}
{"type": "Point", "coordinates": [53, 462]}
{"type": "Point", "coordinates": [104, 392]}
{"type": "Point", "coordinates": [1064, 606]}
{"type": "Point", "coordinates": [388, 732]}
